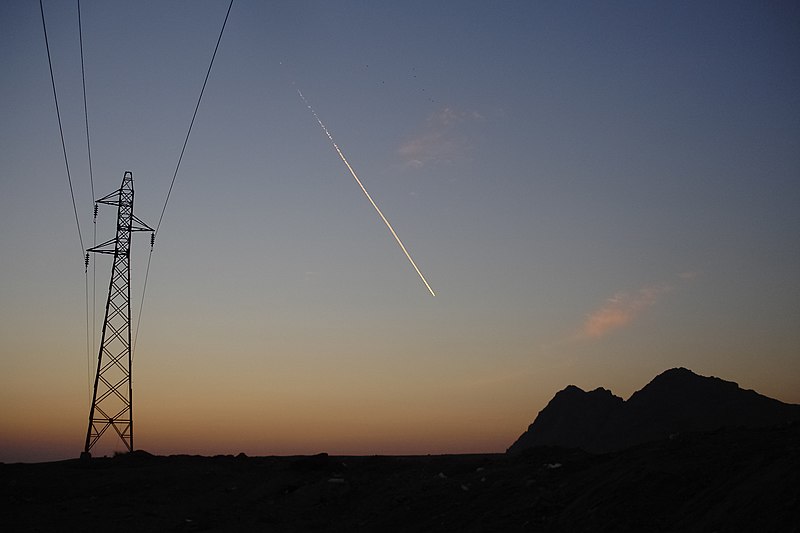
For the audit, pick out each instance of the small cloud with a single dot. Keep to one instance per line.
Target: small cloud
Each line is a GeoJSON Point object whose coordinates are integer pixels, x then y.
{"type": "Point", "coordinates": [443, 139]}
{"type": "Point", "coordinates": [688, 275]}
{"type": "Point", "coordinates": [431, 146]}
{"type": "Point", "coordinates": [620, 310]}
{"type": "Point", "coordinates": [449, 116]}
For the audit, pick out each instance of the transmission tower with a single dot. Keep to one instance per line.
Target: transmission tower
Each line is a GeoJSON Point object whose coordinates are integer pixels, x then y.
{"type": "Point", "coordinates": [112, 405]}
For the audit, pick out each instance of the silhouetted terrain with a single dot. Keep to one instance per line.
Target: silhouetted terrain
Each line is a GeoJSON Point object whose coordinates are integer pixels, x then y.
{"type": "Point", "coordinates": [676, 401]}
{"type": "Point", "coordinates": [728, 480]}
{"type": "Point", "coordinates": [743, 477]}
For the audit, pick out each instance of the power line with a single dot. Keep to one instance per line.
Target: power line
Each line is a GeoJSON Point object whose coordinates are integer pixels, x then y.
{"type": "Point", "coordinates": [144, 291]}
{"type": "Point", "coordinates": [89, 343]}
{"type": "Point", "coordinates": [174, 175]}
{"type": "Point", "coordinates": [186, 140]}
{"type": "Point", "coordinates": [85, 107]}
{"type": "Point", "coordinates": [60, 128]}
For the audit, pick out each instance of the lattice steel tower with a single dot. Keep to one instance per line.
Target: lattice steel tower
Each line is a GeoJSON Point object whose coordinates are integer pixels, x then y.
{"type": "Point", "coordinates": [112, 399]}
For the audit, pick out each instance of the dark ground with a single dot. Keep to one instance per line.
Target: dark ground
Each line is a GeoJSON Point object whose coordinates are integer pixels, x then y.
{"type": "Point", "coordinates": [728, 480]}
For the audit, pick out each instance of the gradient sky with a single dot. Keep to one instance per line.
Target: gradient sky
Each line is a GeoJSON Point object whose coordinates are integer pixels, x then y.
{"type": "Point", "coordinates": [596, 191]}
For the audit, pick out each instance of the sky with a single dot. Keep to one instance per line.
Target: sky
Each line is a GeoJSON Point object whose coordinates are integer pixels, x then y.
{"type": "Point", "coordinates": [596, 192]}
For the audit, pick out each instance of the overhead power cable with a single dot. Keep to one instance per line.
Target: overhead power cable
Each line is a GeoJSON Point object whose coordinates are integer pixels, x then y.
{"type": "Point", "coordinates": [186, 140]}
{"type": "Point", "coordinates": [60, 128]}
{"type": "Point", "coordinates": [85, 107]}
{"type": "Point", "coordinates": [90, 338]}
{"type": "Point", "coordinates": [175, 175]}
{"type": "Point", "coordinates": [144, 291]}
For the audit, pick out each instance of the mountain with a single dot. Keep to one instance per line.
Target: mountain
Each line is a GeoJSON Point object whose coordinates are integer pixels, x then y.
{"type": "Point", "coordinates": [676, 401]}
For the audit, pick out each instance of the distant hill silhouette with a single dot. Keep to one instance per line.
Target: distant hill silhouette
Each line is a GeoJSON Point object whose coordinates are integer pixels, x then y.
{"type": "Point", "coordinates": [676, 401]}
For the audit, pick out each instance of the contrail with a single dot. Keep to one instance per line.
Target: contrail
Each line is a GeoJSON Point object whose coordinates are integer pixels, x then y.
{"type": "Point", "coordinates": [353, 173]}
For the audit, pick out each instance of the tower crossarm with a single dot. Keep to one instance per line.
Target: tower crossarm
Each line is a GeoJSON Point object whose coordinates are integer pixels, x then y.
{"type": "Point", "coordinates": [105, 248]}
{"type": "Point", "coordinates": [138, 225]}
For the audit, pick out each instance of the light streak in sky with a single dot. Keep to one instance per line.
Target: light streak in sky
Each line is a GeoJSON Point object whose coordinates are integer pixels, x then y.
{"type": "Point", "coordinates": [353, 173]}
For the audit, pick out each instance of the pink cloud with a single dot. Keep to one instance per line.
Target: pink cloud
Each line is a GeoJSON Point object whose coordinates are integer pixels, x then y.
{"type": "Point", "coordinates": [620, 310]}
{"type": "Point", "coordinates": [443, 139]}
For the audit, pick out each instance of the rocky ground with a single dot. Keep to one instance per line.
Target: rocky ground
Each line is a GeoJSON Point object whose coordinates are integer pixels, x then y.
{"type": "Point", "coordinates": [728, 480]}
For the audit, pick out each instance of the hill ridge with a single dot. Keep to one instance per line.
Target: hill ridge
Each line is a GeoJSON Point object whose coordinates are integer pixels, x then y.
{"type": "Point", "coordinates": [675, 401]}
